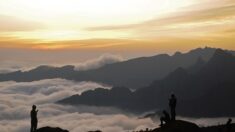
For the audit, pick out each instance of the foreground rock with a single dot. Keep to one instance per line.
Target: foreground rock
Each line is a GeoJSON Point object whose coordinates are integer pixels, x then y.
{"type": "Point", "coordinates": [50, 129]}
{"type": "Point", "coordinates": [184, 126]}
{"type": "Point", "coordinates": [178, 126]}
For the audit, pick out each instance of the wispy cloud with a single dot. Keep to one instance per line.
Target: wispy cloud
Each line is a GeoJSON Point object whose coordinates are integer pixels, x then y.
{"type": "Point", "coordinates": [198, 25]}
{"type": "Point", "coordinates": [13, 24]}
{"type": "Point", "coordinates": [201, 24]}
{"type": "Point", "coordinates": [98, 62]}
{"type": "Point", "coordinates": [191, 15]}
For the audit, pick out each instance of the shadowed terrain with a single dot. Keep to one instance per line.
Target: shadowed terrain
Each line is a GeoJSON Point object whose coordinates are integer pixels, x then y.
{"type": "Point", "coordinates": [184, 126]}
{"type": "Point", "coordinates": [134, 73]}
{"type": "Point", "coordinates": [207, 91]}
{"type": "Point", "coordinates": [174, 126]}
{"type": "Point", "coordinates": [50, 129]}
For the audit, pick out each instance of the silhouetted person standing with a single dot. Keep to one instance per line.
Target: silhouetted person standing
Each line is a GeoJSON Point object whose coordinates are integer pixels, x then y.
{"type": "Point", "coordinates": [34, 119]}
{"type": "Point", "coordinates": [228, 125]}
{"type": "Point", "coordinates": [172, 104]}
{"type": "Point", "coordinates": [165, 118]}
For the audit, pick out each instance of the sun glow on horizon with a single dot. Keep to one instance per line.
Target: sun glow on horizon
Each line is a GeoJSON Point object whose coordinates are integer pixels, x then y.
{"type": "Point", "coordinates": [52, 24]}
{"type": "Point", "coordinates": [64, 20]}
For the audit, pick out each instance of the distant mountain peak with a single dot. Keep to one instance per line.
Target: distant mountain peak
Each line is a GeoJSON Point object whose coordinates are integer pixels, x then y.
{"type": "Point", "coordinates": [222, 53]}
{"type": "Point", "coordinates": [200, 62]}
{"type": "Point", "coordinates": [43, 68]}
{"type": "Point", "coordinates": [177, 53]}
{"type": "Point", "coordinates": [179, 72]}
{"type": "Point", "coordinates": [48, 67]}
{"type": "Point", "coordinates": [68, 67]}
{"type": "Point", "coordinates": [221, 56]}
{"type": "Point", "coordinates": [205, 48]}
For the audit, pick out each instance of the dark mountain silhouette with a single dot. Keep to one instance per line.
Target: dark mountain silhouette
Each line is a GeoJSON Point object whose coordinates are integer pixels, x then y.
{"type": "Point", "coordinates": [197, 66]}
{"type": "Point", "coordinates": [219, 128]}
{"type": "Point", "coordinates": [51, 129]}
{"type": "Point", "coordinates": [134, 73]}
{"type": "Point", "coordinates": [39, 73]}
{"type": "Point", "coordinates": [184, 126]}
{"type": "Point", "coordinates": [209, 92]}
{"type": "Point", "coordinates": [102, 97]}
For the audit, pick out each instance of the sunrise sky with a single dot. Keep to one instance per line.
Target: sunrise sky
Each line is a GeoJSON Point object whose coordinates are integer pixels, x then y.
{"type": "Point", "coordinates": [130, 27]}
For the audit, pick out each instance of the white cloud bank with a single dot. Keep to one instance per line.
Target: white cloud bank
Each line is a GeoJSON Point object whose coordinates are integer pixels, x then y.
{"type": "Point", "coordinates": [98, 62]}
{"type": "Point", "coordinates": [17, 98]}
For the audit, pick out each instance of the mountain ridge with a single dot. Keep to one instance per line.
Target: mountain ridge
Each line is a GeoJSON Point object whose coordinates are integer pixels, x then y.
{"type": "Point", "coordinates": [196, 92]}
{"type": "Point", "coordinates": [134, 73]}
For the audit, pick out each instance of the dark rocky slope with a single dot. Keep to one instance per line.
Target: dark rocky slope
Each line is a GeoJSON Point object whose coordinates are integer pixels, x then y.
{"type": "Point", "coordinates": [209, 92]}
{"type": "Point", "coordinates": [51, 129]}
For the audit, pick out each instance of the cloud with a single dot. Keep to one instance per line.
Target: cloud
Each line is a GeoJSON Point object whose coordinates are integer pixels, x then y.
{"type": "Point", "coordinates": [99, 62]}
{"type": "Point", "coordinates": [203, 22]}
{"type": "Point", "coordinates": [49, 90]}
{"type": "Point", "coordinates": [10, 66]}
{"type": "Point", "coordinates": [191, 14]}
{"type": "Point", "coordinates": [10, 23]}
{"type": "Point", "coordinates": [7, 70]}
{"type": "Point", "coordinates": [13, 59]}
{"type": "Point", "coordinates": [17, 98]}
{"type": "Point", "coordinates": [7, 66]}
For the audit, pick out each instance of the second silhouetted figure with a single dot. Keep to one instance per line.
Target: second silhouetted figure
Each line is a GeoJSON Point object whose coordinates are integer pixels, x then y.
{"type": "Point", "coordinates": [34, 119]}
{"type": "Point", "coordinates": [165, 118]}
{"type": "Point", "coordinates": [172, 104]}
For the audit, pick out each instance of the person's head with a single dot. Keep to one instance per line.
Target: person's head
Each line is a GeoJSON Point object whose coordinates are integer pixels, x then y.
{"type": "Point", "coordinates": [34, 107]}
{"type": "Point", "coordinates": [172, 96]}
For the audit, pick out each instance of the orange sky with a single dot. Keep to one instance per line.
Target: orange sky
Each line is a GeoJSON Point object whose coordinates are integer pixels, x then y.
{"type": "Point", "coordinates": [113, 26]}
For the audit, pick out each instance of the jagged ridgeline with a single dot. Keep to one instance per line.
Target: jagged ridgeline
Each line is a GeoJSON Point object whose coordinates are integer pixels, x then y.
{"type": "Point", "coordinates": [204, 89]}
{"type": "Point", "coordinates": [134, 73]}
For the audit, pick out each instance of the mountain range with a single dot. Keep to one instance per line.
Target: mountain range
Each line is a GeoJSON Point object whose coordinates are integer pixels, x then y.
{"type": "Point", "coordinates": [205, 89]}
{"type": "Point", "coordinates": [133, 73]}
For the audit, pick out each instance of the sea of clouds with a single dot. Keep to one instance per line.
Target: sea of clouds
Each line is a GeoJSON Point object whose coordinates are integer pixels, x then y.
{"type": "Point", "coordinates": [7, 66]}
{"type": "Point", "coordinates": [18, 97]}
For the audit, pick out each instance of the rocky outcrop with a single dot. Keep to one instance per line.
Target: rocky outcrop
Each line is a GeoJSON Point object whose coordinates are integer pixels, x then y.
{"type": "Point", "coordinates": [51, 129]}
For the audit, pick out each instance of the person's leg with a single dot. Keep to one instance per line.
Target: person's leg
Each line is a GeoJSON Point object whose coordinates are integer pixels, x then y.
{"type": "Point", "coordinates": [31, 128]}
{"type": "Point", "coordinates": [173, 114]}
{"type": "Point", "coordinates": [36, 125]}
{"type": "Point", "coordinates": [161, 119]}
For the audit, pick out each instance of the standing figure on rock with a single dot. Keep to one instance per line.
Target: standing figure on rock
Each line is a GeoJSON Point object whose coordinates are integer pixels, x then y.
{"type": "Point", "coordinates": [172, 104]}
{"type": "Point", "coordinates": [34, 119]}
{"type": "Point", "coordinates": [228, 125]}
{"type": "Point", "coordinates": [165, 118]}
